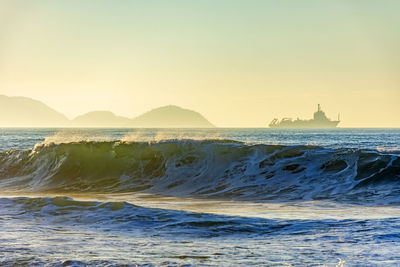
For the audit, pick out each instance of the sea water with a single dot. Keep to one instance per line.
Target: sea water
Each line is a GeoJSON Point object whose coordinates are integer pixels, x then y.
{"type": "Point", "coordinates": [204, 197]}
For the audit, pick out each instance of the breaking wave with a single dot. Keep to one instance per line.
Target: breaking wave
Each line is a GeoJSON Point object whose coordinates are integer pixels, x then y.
{"type": "Point", "coordinates": [205, 168]}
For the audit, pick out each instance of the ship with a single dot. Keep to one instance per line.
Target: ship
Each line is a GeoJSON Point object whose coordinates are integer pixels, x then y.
{"type": "Point", "coordinates": [320, 120]}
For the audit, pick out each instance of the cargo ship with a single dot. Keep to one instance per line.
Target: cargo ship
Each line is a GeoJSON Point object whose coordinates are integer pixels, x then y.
{"type": "Point", "coordinates": [320, 120]}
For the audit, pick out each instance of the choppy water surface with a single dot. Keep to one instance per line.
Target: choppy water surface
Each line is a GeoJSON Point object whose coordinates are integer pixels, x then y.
{"type": "Point", "coordinates": [200, 197]}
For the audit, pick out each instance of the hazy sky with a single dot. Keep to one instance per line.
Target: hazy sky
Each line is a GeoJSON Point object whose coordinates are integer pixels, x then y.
{"type": "Point", "coordinates": [239, 63]}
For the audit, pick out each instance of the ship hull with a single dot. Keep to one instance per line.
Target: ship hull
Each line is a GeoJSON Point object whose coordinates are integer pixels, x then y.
{"type": "Point", "coordinates": [305, 125]}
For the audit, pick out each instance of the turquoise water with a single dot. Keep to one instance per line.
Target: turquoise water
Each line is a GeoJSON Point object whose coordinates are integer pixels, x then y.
{"type": "Point", "coordinates": [211, 197]}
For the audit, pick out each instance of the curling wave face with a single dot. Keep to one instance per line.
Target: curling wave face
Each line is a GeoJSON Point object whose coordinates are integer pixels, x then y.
{"type": "Point", "coordinates": [205, 168]}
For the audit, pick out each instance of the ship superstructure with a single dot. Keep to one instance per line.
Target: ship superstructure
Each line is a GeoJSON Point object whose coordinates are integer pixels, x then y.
{"type": "Point", "coordinates": [320, 120]}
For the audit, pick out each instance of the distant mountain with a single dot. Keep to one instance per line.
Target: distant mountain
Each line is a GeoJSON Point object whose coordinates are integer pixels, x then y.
{"type": "Point", "coordinates": [100, 119]}
{"type": "Point", "coordinates": [164, 117]}
{"type": "Point", "coordinates": [26, 112]}
{"type": "Point", "coordinates": [171, 117]}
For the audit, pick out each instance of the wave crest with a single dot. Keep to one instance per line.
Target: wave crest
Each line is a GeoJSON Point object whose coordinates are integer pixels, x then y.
{"type": "Point", "coordinates": [204, 168]}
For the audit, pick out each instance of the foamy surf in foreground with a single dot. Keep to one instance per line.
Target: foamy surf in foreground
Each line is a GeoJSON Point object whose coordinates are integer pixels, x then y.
{"type": "Point", "coordinates": [245, 197]}
{"type": "Point", "coordinates": [119, 232]}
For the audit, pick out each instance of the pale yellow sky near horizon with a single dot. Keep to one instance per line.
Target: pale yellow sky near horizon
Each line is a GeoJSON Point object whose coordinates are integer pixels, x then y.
{"type": "Point", "coordinates": [239, 63]}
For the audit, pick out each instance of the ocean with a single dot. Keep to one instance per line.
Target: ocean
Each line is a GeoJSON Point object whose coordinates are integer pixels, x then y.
{"type": "Point", "coordinates": [199, 197]}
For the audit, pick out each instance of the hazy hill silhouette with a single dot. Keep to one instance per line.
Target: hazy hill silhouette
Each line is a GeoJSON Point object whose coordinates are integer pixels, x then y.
{"type": "Point", "coordinates": [27, 112]}
{"type": "Point", "coordinates": [171, 116]}
{"type": "Point", "coordinates": [100, 119]}
{"type": "Point", "coordinates": [20, 111]}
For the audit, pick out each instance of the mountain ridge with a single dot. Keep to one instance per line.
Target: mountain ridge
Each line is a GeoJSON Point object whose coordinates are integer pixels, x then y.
{"type": "Point", "coordinates": [172, 115]}
{"type": "Point", "coordinates": [100, 118]}
{"type": "Point", "coordinates": [19, 111]}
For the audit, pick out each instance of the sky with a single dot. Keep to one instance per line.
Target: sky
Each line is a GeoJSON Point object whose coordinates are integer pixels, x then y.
{"type": "Point", "coordinates": [239, 63]}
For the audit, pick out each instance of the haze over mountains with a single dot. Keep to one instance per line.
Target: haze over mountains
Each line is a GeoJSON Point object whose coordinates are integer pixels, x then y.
{"type": "Point", "coordinates": [172, 115]}
{"type": "Point", "coordinates": [27, 112]}
{"type": "Point", "coordinates": [100, 119]}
